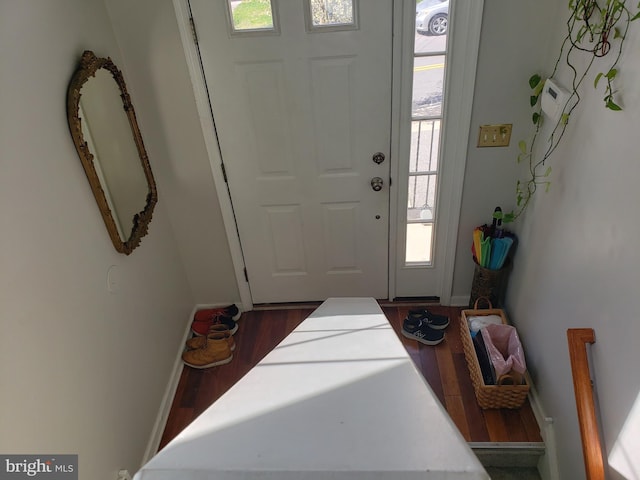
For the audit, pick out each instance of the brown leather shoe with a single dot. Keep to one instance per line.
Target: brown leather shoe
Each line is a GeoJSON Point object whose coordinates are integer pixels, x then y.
{"type": "Point", "coordinates": [198, 342]}
{"type": "Point", "coordinates": [214, 352]}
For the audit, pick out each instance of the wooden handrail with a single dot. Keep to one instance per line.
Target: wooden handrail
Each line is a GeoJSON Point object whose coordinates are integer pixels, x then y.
{"type": "Point", "coordinates": [583, 388]}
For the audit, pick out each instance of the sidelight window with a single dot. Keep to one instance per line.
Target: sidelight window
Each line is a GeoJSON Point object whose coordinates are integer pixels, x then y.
{"type": "Point", "coordinates": [429, 59]}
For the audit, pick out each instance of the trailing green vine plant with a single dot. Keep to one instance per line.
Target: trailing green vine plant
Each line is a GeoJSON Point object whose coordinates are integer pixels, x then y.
{"type": "Point", "coordinates": [592, 28]}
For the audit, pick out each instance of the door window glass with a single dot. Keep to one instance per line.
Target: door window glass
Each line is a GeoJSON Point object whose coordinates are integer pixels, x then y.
{"type": "Point", "coordinates": [251, 16]}
{"type": "Point", "coordinates": [419, 237]}
{"type": "Point", "coordinates": [331, 14]}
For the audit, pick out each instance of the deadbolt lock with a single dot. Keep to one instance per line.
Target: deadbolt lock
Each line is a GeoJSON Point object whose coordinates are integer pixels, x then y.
{"type": "Point", "coordinates": [378, 157]}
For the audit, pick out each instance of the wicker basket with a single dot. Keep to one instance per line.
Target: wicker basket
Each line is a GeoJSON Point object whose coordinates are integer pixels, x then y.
{"type": "Point", "coordinates": [489, 396]}
{"type": "Point", "coordinates": [491, 284]}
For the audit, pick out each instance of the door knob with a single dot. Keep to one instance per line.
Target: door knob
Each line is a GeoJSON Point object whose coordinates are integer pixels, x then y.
{"type": "Point", "coordinates": [376, 184]}
{"type": "Point", "coordinates": [378, 157]}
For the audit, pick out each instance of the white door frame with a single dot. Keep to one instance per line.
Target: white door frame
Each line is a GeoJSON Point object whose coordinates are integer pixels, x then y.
{"type": "Point", "coordinates": [462, 52]}
{"type": "Point", "coordinates": [467, 15]}
{"type": "Point", "coordinates": [183, 16]}
{"type": "Point", "coordinates": [462, 55]}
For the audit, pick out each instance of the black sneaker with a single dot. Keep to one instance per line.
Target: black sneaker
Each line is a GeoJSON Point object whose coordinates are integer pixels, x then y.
{"type": "Point", "coordinates": [231, 311]}
{"type": "Point", "coordinates": [416, 329]}
{"type": "Point", "coordinates": [439, 322]}
{"type": "Point", "coordinates": [203, 319]}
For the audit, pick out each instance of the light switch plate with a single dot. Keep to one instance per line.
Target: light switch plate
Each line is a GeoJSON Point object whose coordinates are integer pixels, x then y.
{"type": "Point", "coordinates": [495, 135]}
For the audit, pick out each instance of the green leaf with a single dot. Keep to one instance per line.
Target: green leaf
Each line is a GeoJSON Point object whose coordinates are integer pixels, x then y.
{"type": "Point", "coordinates": [533, 99]}
{"type": "Point", "coordinates": [508, 217]}
{"type": "Point", "coordinates": [519, 200]}
{"type": "Point", "coordinates": [534, 80]}
{"type": "Point", "coordinates": [636, 16]}
{"type": "Point", "coordinates": [547, 187]}
{"type": "Point", "coordinates": [535, 117]}
{"type": "Point", "coordinates": [611, 73]}
{"type": "Point", "coordinates": [564, 118]}
{"type": "Point", "coordinates": [616, 33]}
{"type": "Point", "coordinates": [538, 89]}
{"type": "Point", "coordinates": [598, 77]}
{"type": "Point", "coordinates": [612, 105]}
{"type": "Point", "coordinates": [522, 145]}
{"type": "Point", "coordinates": [497, 215]}
{"type": "Point", "coordinates": [547, 172]}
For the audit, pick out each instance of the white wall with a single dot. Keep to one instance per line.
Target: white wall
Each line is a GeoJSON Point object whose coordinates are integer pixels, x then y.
{"type": "Point", "coordinates": [514, 44]}
{"type": "Point", "coordinates": [568, 279]}
{"type": "Point", "coordinates": [82, 370]}
{"type": "Point", "coordinates": [149, 39]}
{"type": "Point", "coordinates": [579, 266]}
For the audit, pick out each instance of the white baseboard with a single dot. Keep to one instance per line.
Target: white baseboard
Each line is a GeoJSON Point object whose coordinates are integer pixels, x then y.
{"type": "Point", "coordinates": [167, 399]}
{"type": "Point", "coordinates": [459, 301]}
{"type": "Point", "coordinates": [548, 464]}
{"type": "Point", "coordinates": [172, 386]}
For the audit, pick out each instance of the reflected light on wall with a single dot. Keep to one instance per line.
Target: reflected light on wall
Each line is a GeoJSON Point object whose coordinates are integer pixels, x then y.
{"type": "Point", "coordinates": [624, 454]}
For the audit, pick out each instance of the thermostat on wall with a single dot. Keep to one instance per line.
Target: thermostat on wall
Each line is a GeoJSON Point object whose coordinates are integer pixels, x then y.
{"type": "Point", "coordinates": [553, 100]}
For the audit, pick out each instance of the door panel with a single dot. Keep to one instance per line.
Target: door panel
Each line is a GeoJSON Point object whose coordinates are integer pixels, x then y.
{"type": "Point", "coordinates": [332, 110]}
{"type": "Point", "coordinates": [341, 237]}
{"type": "Point", "coordinates": [286, 240]}
{"type": "Point", "coordinates": [299, 116]}
{"type": "Point", "coordinates": [263, 90]}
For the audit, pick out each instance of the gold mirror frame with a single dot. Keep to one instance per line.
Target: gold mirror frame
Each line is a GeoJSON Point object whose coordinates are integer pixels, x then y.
{"type": "Point", "coordinates": [89, 65]}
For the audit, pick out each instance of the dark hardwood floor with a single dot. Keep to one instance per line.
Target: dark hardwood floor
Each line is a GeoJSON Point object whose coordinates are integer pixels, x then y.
{"type": "Point", "coordinates": [443, 366]}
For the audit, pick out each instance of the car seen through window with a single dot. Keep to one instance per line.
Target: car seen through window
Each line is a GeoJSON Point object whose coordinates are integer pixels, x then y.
{"type": "Point", "coordinates": [432, 17]}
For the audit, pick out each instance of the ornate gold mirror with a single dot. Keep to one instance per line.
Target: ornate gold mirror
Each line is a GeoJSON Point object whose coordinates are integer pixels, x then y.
{"type": "Point", "coordinates": [106, 135]}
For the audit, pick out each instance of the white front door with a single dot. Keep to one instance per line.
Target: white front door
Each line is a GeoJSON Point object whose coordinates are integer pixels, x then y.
{"type": "Point", "coordinates": [300, 111]}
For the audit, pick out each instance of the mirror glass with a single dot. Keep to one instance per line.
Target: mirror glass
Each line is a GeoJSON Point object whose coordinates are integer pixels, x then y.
{"type": "Point", "coordinates": [106, 134]}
